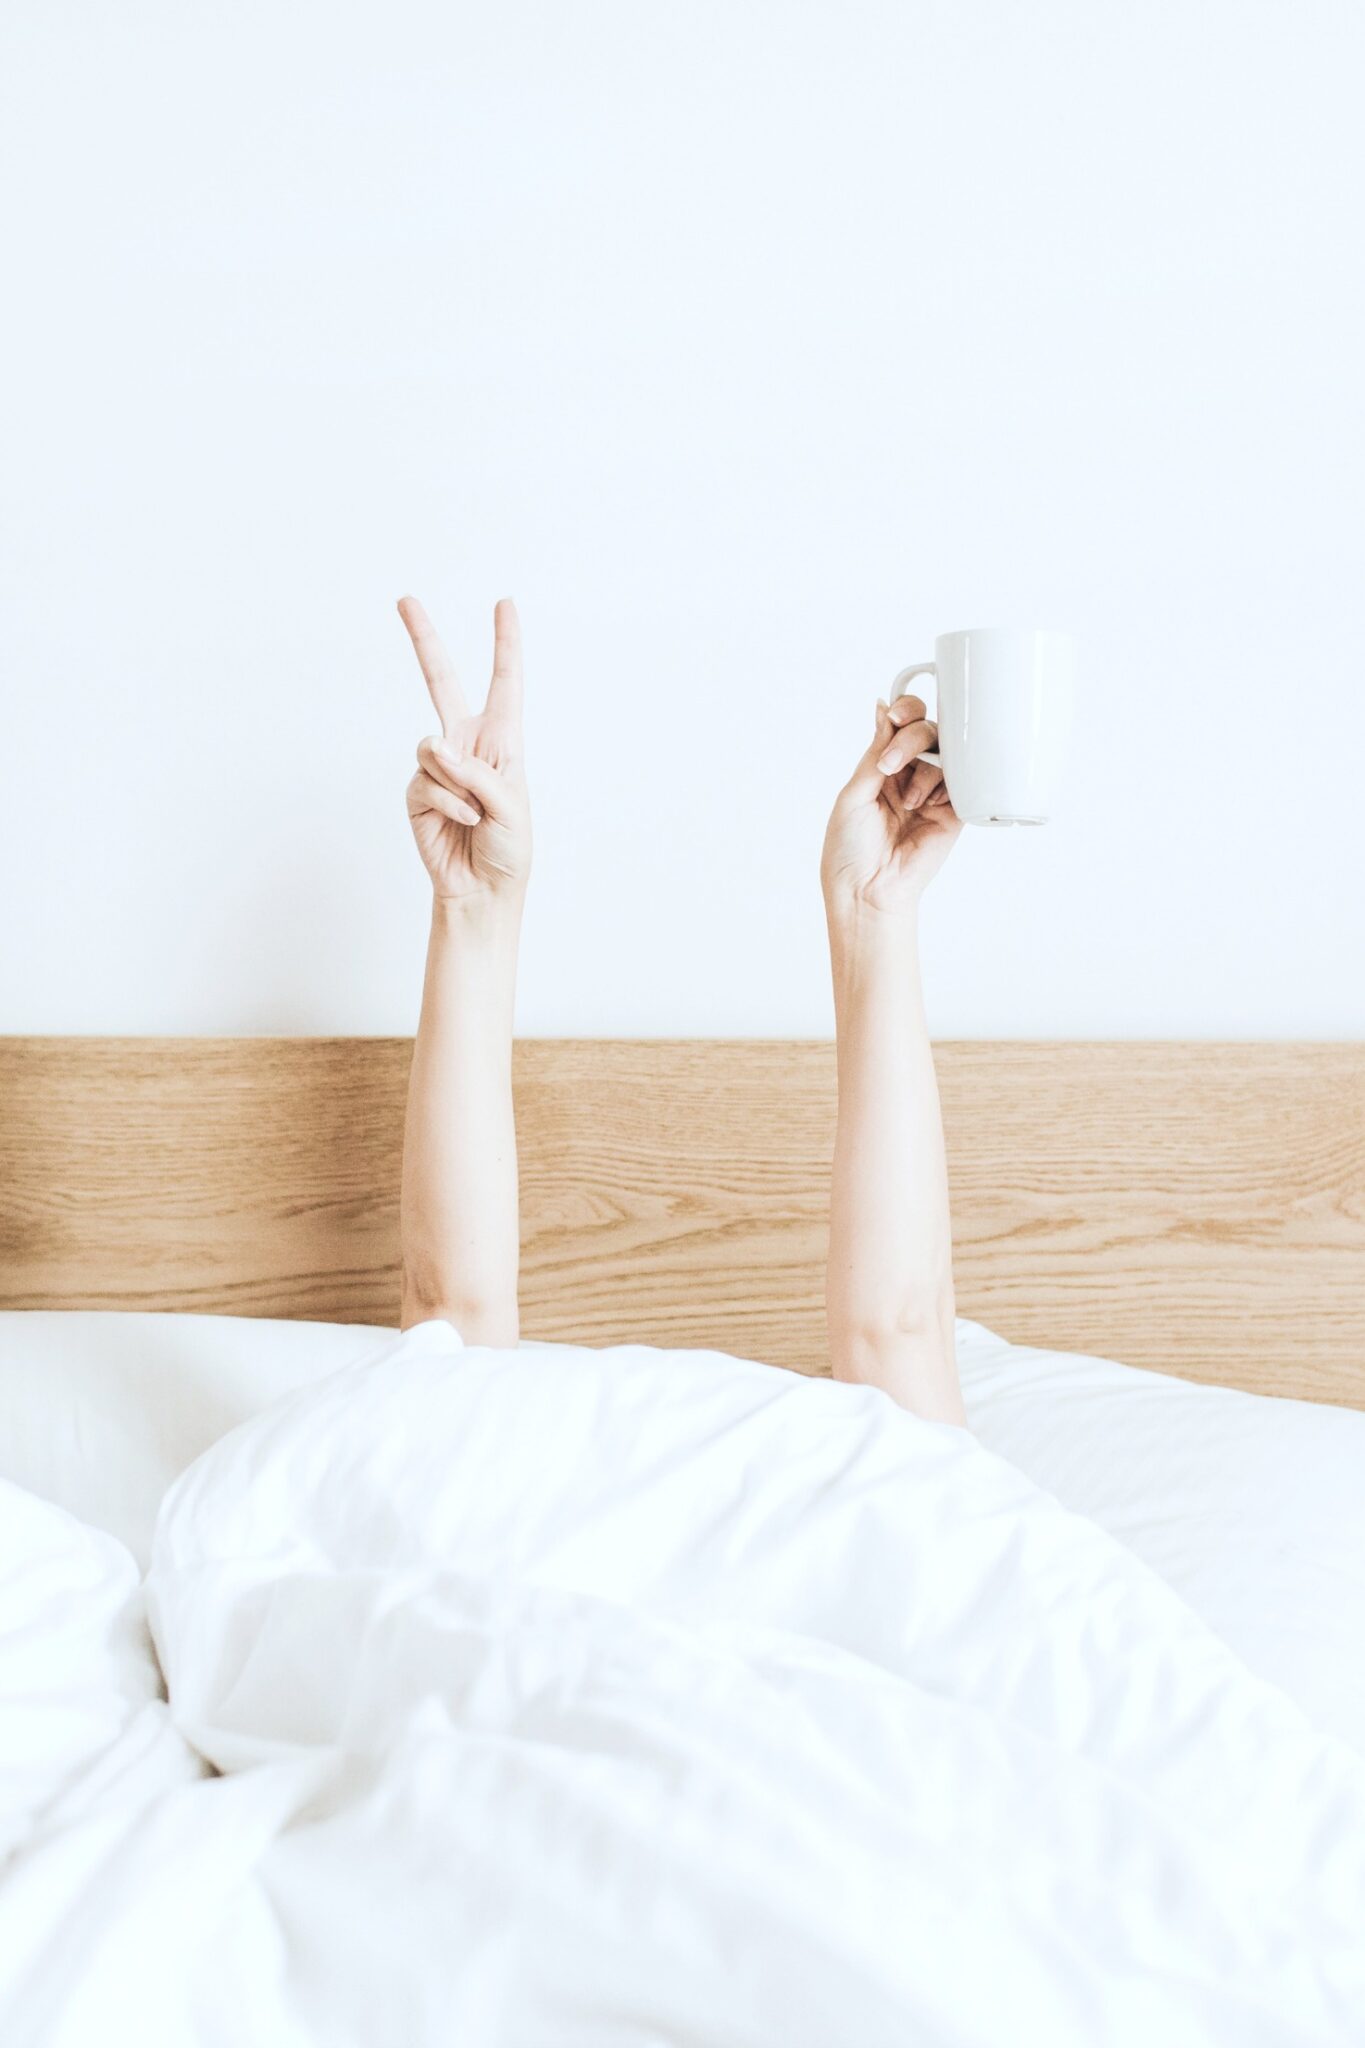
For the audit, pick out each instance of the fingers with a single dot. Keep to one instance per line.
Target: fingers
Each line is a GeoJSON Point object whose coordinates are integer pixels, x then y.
{"type": "Point", "coordinates": [467, 776]}
{"type": "Point", "coordinates": [923, 784]}
{"type": "Point", "coordinates": [915, 735]}
{"type": "Point", "coordinates": [864, 785]}
{"type": "Point", "coordinates": [504, 692]}
{"type": "Point", "coordinates": [436, 664]}
{"type": "Point", "coordinates": [902, 734]}
{"type": "Point", "coordinates": [426, 794]}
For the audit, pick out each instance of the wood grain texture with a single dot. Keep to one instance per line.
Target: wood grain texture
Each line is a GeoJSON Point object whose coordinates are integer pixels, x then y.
{"type": "Point", "coordinates": [1199, 1208]}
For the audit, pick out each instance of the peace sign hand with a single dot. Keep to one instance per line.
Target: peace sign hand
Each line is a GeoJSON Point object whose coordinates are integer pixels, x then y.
{"type": "Point", "coordinates": [468, 803]}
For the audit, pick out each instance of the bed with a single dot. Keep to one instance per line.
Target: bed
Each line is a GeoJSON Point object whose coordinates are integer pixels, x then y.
{"type": "Point", "coordinates": [614, 1732]}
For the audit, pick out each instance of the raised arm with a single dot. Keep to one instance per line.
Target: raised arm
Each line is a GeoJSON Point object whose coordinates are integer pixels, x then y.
{"type": "Point", "coordinates": [889, 1290]}
{"type": "Point", "coordinates": [471, 820]}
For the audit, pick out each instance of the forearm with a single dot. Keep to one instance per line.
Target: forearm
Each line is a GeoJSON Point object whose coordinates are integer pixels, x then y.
{"type": "Point", "coordinates": [890, 1286]}
{"type": "Point", "coordinates": [460, 1232]}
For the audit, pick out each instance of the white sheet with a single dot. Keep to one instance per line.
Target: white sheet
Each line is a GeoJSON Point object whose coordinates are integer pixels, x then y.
{"type": "Point", "coordinates": [647, 1701]}
{"type": "Point", "coordinates": [633, 1696]}
{"type": "Point", "coordinates": [76, 1662]}
{"type": "Point", "coordinates": [1252, 1509]}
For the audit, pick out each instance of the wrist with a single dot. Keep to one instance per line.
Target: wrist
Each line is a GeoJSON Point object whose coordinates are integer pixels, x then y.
{"type": "Point", "coordinates": [472, 964]}
{"type": "Point", "coordinates": [483, 914]}
{"type": "Point", "coordinates": [874, 965]}
{"type": "Point", "coordinates": [856, 925]}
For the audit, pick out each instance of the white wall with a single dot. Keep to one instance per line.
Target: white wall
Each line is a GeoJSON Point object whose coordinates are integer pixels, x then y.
{"type": "Point", "coordinates": [749, 345]}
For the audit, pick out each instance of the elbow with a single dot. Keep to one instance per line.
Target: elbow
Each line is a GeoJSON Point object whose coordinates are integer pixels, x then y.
{"type": "Point", "coordinates": [909, 1350]}
{"type": "Point", "coordinates": [479, 1318]}
{"type": "Point", "coordinates": [920, 1317]}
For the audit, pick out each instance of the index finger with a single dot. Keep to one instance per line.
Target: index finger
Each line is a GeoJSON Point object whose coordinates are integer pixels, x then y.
{"type": "Point", "coordinates": [504, 692]}
{"type": "Point", "coordinates": [911, 740]}
{"type": "Point", "coordinates": [436, 664]}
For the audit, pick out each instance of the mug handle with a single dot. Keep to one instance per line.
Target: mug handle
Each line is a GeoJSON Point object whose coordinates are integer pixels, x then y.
{"type": "Point", "coordinates": [919, 668]}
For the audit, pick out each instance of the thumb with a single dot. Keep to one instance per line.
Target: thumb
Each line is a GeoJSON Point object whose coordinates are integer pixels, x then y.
{"type": "Point", "coordinates": [864, 785]}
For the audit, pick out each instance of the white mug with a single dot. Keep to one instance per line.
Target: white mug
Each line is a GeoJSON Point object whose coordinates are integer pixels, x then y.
{"type": "Point", "coordinates": [1004, 717]}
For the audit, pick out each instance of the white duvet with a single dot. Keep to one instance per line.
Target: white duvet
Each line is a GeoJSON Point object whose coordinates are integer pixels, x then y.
{"type": "Point", "coordinates": [632, 1697]}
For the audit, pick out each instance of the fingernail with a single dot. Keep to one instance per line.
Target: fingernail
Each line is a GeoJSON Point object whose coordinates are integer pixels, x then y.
{"type": "Point", "coordinates": [882, 704]}
{"type": "Point", "coordinates": [890, 760]}
{"type": "Point", "coordinates": [469, 816]}
{"type": "Point", "coordinates": [915, 799]}
{"type": "Point", "coordinates": [443, 750]}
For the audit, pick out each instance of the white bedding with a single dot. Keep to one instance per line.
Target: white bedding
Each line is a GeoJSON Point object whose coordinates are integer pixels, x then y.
{"type": "Point", "coordinates": [576, 1696]}
{"type": "Point", "coordinates": [77, 1664]}
{"type": "Point", "coordinates": [1252, 1509]}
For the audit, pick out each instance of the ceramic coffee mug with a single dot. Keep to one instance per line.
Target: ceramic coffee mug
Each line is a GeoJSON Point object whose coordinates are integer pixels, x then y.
{"type": "Point", "coordinates": [1004, 717]}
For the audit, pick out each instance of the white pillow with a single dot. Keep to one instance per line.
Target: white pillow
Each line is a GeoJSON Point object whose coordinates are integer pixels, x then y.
{"type": "Point", "coordinates": [1251, 1508]}
{"type": "Point", "coordinates": [100, 1412]}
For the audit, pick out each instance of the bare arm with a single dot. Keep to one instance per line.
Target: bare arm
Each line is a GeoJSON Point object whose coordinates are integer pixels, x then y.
{"type": "Point", "coordinates": [889, 1292]}
{"type": "Point", "coordinates": [459, 1206]}
{"type": "Point", "coordinates": [471, 821]}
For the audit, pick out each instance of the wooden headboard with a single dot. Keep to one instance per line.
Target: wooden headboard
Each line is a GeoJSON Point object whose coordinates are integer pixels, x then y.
{"type": "Point", "coordinates": [1199, 1208]}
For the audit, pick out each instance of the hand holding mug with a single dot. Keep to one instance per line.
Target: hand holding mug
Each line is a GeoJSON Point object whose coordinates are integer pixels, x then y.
{"type": "Point", "coordinates": [892, 826]}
